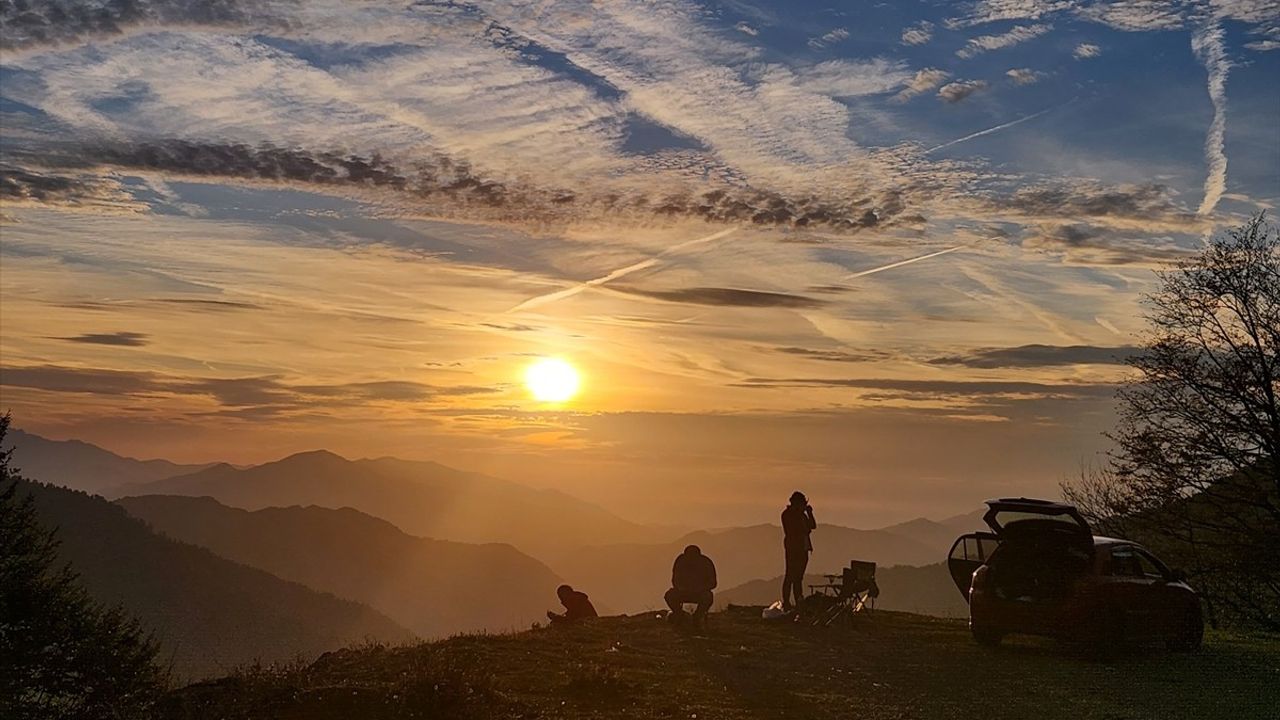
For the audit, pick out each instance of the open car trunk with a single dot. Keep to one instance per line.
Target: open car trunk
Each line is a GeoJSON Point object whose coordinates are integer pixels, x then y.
{"type": "Point", "coordinates": [1036, 550]}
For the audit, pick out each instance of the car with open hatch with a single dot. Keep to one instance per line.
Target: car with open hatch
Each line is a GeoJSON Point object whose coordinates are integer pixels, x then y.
{"type": "Point", "coordinates": [1042, 571]}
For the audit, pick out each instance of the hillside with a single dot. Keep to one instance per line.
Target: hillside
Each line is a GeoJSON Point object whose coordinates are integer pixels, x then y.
{"type": "Point", "coordinates": [208, 613]}
{"type": "Point", "coordinates": [888, 666]}
{"type": "Point", "coordinates": [432, 587]}
{"type": "Point", "coordinates": [926, 590]}
{"type": "Point", "coordinates": [422, 498]}
{"type": "Point", "coordinates": [82, 466]}
{"type": "Point", "coordinates": [632, 577]}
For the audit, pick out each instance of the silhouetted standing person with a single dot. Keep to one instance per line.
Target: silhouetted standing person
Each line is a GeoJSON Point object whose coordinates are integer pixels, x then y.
{"type": "Point", "coordinates": [693, 577]}
{"type": "Point", "coordinates": [577, 606]}
{"type": "Point", "coordinates": [797, 523]}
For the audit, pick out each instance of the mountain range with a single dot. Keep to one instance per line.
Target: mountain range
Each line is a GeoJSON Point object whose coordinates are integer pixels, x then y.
{"type": "Point", "coordinates": [208, 613]}
{"type": "Point", "coordinates": [425, 499]}
{"type": "Point", "coordinates": [81, 466]}
{"type": "Point", "coordinates": [401, 546]}
{"type": "Point", "coordinates": [433, 587]}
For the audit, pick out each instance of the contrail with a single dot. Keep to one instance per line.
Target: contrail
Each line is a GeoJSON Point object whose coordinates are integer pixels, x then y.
{"type": "Point", "coordinates": [621, 272]}
{"type": "Point", "coordinates": [900, 263]}
{"type": "Point", "coordinates": [988, 131]}
{"type": "Point", "coordinates": [1206, 42]}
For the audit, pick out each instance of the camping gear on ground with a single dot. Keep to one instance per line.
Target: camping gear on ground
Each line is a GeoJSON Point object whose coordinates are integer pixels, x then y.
{"type": "Point", "coordinates": [774, 612]}
{"type": "Point", "coordinates": [853, 591]}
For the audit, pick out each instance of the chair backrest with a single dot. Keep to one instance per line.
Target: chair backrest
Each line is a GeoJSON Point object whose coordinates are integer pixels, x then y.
{"type": "Point", "coordinates": [862, 570]}
{"type": "Point", "coordinates": [859, 577]}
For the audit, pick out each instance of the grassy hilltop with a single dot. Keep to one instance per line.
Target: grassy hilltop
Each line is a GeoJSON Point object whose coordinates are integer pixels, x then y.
{"type": "Point", "coordinates": [888, 666]}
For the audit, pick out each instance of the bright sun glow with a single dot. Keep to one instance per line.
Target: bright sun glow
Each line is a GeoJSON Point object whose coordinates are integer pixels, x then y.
{"type": "Point", "coordinates": [552, 380]}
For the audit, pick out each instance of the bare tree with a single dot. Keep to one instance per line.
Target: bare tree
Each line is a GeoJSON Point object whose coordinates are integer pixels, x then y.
{"type": "Point", "coordinates": [1194, 471]}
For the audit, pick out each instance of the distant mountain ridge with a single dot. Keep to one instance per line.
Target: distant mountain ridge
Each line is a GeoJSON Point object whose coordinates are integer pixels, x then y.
{"type": "Point", "coordinates": [434, 587]}
{"type": "Point", "coordinates": [83, 466]}
{"type": "Point", "coordinates": [209, 613]}
{"type": "Point", "coordinates": [425, 499]}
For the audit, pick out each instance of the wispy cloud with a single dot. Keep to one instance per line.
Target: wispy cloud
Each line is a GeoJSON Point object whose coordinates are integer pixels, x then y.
{"type": "Point", "coordinates": [918, 34]}
{"type": "Point", "coordinates": [829, 38]}
{"type": "Point", "coordinates": [725, 297]}
{"type": "Point", "coordinates": [1037, 356]}
{"type": "Point", "coordinates": [954, 92]}
{"type": "Point", "coordinates": [1024, 76]}
{"type": "Point", "coordinates": [1206, 41]}
{"type": "Point", "coordinates": [986, 43]}
{"type": "Point", "coordinates": [1085, 51]}
{"type": "Point", "coordinates": [122, 339]}
{"type": "Point", "coordinates": [922, 82]}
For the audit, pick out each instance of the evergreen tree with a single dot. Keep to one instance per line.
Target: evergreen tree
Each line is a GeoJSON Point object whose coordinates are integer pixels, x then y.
{"type": "Point", "coordinates": [61, 654]}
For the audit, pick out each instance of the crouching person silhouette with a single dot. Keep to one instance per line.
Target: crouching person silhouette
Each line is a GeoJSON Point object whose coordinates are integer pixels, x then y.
{"type": "Point", "coordinates": [577, 606]}
{"type": "Point", "coordinates": [693, 577]}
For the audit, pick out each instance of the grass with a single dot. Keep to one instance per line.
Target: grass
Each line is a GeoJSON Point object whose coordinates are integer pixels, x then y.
{"type": "Point", "coordinates": [887, 666]}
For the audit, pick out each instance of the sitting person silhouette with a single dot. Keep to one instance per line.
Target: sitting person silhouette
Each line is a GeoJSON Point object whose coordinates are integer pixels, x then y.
{"type": "Point", "coordinates": [577, 606]}
{"type": "Point", "coordinates": [693, 577]}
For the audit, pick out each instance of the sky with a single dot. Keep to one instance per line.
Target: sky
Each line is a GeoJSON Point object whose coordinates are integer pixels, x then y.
{"type": "Point", "coordinates": [891, 253]}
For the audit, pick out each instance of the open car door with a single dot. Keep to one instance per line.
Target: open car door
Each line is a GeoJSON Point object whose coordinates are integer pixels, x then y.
{"type": "Point", "coordinates": [969, 553]}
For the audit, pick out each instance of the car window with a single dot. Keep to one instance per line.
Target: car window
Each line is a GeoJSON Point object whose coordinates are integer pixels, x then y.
{"type": "Point", "coordinates": [975, 547]}
{"type": "Point", "coordinates": [1124, 562]}
{"type": "Point", "coordinates": [1147, 566]}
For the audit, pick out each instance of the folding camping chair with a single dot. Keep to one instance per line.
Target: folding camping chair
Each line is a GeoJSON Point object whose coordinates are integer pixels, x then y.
{"type": "Point", "coordinates": [852, 591]}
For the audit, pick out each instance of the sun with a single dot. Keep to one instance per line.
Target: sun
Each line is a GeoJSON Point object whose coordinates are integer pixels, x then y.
{"type": "Point", "coordinates": [552, 380]}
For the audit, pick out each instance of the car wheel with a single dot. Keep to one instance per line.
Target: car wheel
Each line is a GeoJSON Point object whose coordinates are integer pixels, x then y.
{"type": "Point", "coordinates": [985, 636]}
{"type": "Point", "coordinates": [1188, 634]}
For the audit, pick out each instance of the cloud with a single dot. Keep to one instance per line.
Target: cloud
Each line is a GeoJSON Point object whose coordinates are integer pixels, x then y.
{"type": "Point", "coordinates": [985, 43]}
{"type": "Point", "coordinates": [954, 92]}
{"type": "Point", "coordinates": [452, 188]}
{"type": "Point", "coordinates": [124, 339]}
{"type": "Point", "coordinates": [840, 356]}
{"type": "Point", "coordinates": [1024, 76]}
{"type": "Point", "coordinates": [1264, 45]}
{"type": "Point", "coordinates": [943, 388]}
{"type": "Point", "coordinates": [922, 82]}
{"type": "Point", "coordinates": [1135, 15]}
{"type": "Point", "coordinates": [236, 393]}
{"type": "Point", "coordinates": [1089, 245]}
{"type": "Point", "coordinates": [918, 34]}
{"type": "Point", "coordinates": [1150, 205]}
{"type": "Point", "coordinates": [46, 22]}
{"type": "Point", "coordinates": [1084, 51]}
{"type": "Point", "coordinates": [746, 29]}
{"type": "Point", "coordinates": [724, 297]}
{"type": "Point", "coordinates": [1207, 43]}
{"type": "Point", "coordinates": [1038, 356]}
{"type": "Point", "coordinates": [829, 38]}
{"type": "Point", "coordinates": [24, 186]}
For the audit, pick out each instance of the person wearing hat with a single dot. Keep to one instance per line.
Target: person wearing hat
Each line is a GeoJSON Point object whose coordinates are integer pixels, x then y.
{"type": "Point", "coordinates": [797, 523]}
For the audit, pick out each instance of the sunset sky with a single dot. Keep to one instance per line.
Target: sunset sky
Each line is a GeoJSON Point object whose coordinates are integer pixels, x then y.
{"type": "Point", "coordinates": [234, 230]}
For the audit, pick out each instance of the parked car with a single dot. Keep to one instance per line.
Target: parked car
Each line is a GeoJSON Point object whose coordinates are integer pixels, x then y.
{"type": "Point", "coordinates": [1042, 571]}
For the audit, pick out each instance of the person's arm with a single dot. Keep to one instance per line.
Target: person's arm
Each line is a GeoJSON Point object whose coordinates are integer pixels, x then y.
{"type": "Point", "coordinates": [711, 572]}
{"type": "Point", "coordinates": [675, 571]}
{"type": "Point", "coordinates": [808, 513]}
